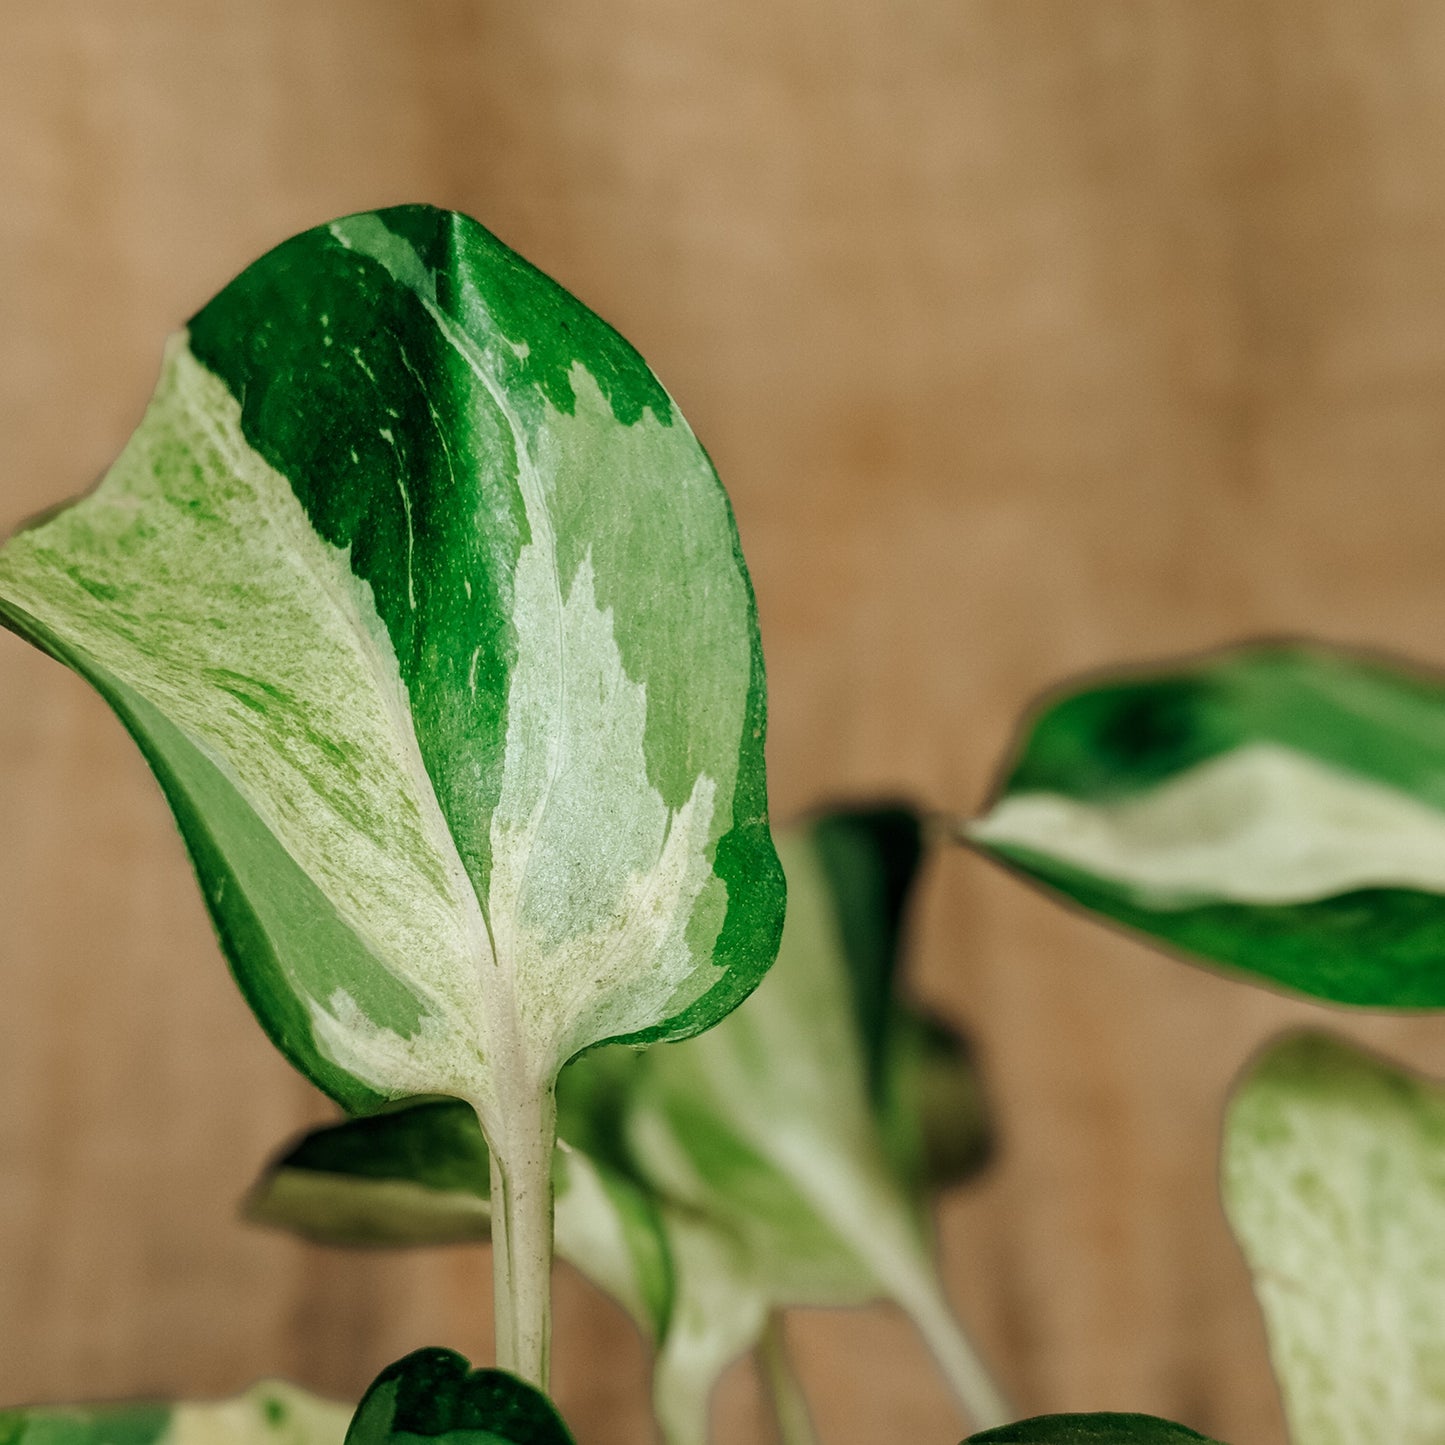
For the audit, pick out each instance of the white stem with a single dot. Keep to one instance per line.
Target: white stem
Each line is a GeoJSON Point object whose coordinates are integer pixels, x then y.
{"type": "Point", "coordinates": [522, 1233]}
{"type": "Point", "coordinates": [790, 1407]}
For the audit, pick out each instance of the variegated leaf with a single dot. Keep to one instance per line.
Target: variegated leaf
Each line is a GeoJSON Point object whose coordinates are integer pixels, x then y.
{"type": "Point", "coordinates": [1277, 808]}
{"type": "Point", "coordinates": [271, 1413]}
{"type": "Point", "coordinates": [428, 610]}
{"type": "Point", "coordinates": [772, 1128]}
{"type": "Point", "coordinates": [435, 1395]}
{"type": "Point", "coordinates": [1334, 1182]}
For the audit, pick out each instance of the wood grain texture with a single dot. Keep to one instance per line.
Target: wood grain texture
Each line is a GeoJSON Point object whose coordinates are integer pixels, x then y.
{"type": "Point", "coordinates": [1027, 338]}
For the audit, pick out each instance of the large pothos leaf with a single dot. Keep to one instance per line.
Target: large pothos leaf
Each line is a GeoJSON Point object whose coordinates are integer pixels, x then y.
{"type": "Point", "coordinates": [1278, 808]}
{"type": "Point", "coordinates": [428, 610]}
{"type": "Point", "coordinates": [702, 1290]}
{"type": "Point", "coordinates": [435, 1395]}
{"type": "Point", "coordinates": [1096, 1429]}
{"type": "Point", "coordinates": [1334, 1183]}
{"type": "Point", "coordinates": [270, 1413]}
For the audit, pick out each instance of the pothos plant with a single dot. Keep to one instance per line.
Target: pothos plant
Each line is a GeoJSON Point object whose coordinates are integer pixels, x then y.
{"type": "Point", "coordinates": [428, 612]}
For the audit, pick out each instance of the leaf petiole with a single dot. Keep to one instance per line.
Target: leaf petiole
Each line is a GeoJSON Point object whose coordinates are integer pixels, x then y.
{"type": "Point", "coordinates": [521, 1188]}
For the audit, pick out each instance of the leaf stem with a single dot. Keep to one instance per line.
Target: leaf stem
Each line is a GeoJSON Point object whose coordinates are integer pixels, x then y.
{"type": "Point", "coordinates": [957, 1356]}
{"type": "Point", "coordinates": [790, 1407]}
{"type": "Point", "coordinates": [522, 1233]}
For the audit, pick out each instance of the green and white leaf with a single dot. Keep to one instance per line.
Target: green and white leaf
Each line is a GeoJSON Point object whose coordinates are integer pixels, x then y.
{"type": "Point", "coordinates": [435, 1395]}
{"type": "Point", "coordinates": [1096, 1429]}
{"type": "Point", "coordinates": [428, 609]}
{"type": "Point", "coordinates": [270, 1413]}
{"type": "Point", "coordinates": [420, 1175]}
{"type": "Point", "coordinates": [1334, 1183]}
{"type": "Point", "coordinates": [770, 1130]}
{"type": "Point", "coordinates": [1280, 809]}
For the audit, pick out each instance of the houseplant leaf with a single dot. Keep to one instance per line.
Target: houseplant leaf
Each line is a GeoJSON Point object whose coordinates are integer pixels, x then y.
{"type": "Point", "coordinates": [1096, 1429]}
{"type": "Point", "coordinates": [428, 611]}
{"type": "Point", "coordinates": [269, 1413]}
{"type": "Point", "coordinates": [1334, 1185]}
{"type": "Point", "coordinates": [1278, 808]}
{"type": "Point", "coordinates": [769, 1132]}
{"type": "Point", "coordinates": [435, 1395]}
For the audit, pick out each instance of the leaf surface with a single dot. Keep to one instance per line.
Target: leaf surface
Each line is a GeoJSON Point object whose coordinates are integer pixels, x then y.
{"type": "Point", "coordinates": [1279, 809]}
{"type": "Point", "coordinates": [270, 1413]}
{"type": "Point", "coordinates": [1334, 1183]}
{"type": "Point", "coordinates": [428, 610]}
{"type": "Point", "coordinates": [435, 1395]}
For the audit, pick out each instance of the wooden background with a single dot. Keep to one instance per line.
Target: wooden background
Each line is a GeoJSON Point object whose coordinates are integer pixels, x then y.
{"type": "Point", "coordinates": [1029, 336]}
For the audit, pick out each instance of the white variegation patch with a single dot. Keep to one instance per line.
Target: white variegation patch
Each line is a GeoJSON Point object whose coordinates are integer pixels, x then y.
{"type": "Point", "coordinates": [334, 1208]}
{"type": "Point", "coordinates": [432, 1059]}
{"type": "Point", "coordinates": [1261, 824]}
{"type": "Point", "coordinates": [593, 877]}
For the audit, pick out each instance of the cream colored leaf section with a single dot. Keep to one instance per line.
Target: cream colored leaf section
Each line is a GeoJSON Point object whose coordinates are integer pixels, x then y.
{"type": "Point", "coordinates": [438, 1053]}
{"type": "Point", "coordinates": [594, 878]}
{"type": "Point", "coordinates": [1334, 1182]}
{"type": "Point", "coordinates": [1262, 824]}
{"type": "Point", "coordinates": [269, 1413]}
{"type": "Point", "coordinates": [193, 575]}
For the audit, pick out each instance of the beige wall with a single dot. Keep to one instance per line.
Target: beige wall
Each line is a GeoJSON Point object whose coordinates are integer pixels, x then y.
{"type": "Point", "coordinates": [1028, 336]}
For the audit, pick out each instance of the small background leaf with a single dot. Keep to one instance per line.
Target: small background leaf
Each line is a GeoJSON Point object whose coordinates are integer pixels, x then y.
{"type": "Point", "coordinates": [1334, 1183]}
{"type": "Point", "coordinates": [1279, 808]}
{"type": "Point", "coordinates": [774, 1127]}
